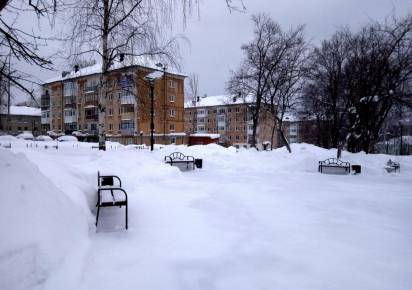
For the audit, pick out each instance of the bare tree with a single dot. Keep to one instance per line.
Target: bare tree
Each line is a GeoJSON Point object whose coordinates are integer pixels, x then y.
{"type": "Point", "coordinates": [325, 87]}
{"type": "Point", "coordinates": [286, 69]}
{"type": "Point", "coordinates": [357, 79]}
{"type": "Point", "coordinates": [193, 89]}
{"type": "Point", "coordinates": [251, 81]}
{"type": "Point", "coordinates": [21, 45]}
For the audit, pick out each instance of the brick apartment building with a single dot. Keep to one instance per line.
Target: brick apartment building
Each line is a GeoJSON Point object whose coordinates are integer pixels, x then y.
{"type": "Point", "coordinates": [230, 118]}
{"type": "Point", "coordinates": [69, 104]}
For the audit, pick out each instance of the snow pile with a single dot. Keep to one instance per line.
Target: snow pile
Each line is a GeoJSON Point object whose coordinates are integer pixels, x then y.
{"type": "Point", "coordinates": [40, 226]}
{"type": "Point", "coordinates": [67, 138]}
{"type": "Point", "coordinates": [44, 138]}
{"type": "Point", "coordinates": [246, 220]}
{"type": "Point", "coordinates": [25, 136]}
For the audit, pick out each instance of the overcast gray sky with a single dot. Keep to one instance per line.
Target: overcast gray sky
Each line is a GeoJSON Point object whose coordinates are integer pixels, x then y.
{"type": "Point", "coordinates": [216, 36]}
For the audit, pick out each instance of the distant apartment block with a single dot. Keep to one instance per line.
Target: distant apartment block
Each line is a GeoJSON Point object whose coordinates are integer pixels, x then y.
{"type": "Point", "coordinates": [229, 117]}
{"type": "Point", "coordinates": [20, 119]}
{"type": "Point", "coordinates": [69, 104]}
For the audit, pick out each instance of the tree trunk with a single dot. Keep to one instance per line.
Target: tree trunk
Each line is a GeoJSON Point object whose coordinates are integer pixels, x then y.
{"type": "Point", "coordinates": [103, 77]}
{"type": "Point", "coordinates": [272, 135]}
{"type": "Point", "coordinates": [283, 137]}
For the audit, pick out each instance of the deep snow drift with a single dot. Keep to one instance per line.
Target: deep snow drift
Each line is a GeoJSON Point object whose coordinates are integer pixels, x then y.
{"type": "Point", "coordinates": [247, 220]}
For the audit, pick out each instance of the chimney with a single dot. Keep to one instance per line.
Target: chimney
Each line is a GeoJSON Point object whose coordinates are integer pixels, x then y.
{"type": "Point", "coordinates": [76, 68]}
{"type": "Point", "coordinates": [121, 57]}
{"type": "Point", "coordinates": [197, 99]}
{"type": "Point", "coordinates": [65, 73]}
{"type": "Point", "coordinates": [234, 99]}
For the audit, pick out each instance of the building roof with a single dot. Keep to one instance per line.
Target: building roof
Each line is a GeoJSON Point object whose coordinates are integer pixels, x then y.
{"type": "Point", "coordinates": [21, 111]}
{"type": "Point", "coordinates": [220, 100]}
{"type": "Point", "coordinates": [97, 69]}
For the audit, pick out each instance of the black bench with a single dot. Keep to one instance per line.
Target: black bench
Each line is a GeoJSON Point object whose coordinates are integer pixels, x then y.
{"type": "Point", "coordinates": [392, 166]}
{"type": "Point", "coordinates": [110, 194]}
{"type": "Point", "coordinates": [334, 166]}
{"type": "Point", "coordinates": [180, 158]}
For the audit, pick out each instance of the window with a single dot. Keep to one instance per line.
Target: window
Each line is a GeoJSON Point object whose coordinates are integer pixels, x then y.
{"type": "Point", "coordinates": [221, 111]}
{"type": "Point", "coordinates": [127, 125]}
{"type": "Point", "coordinates": [110, 112]}
{"type": "Point", "coordinates": [237, 138]}
{"type": "Point", "coordinates": [201, 129]}
{"type": "Point", "coordinates": [171, 127]}
{"type": "Point", "coordinates": [201, 120]}
{"type": "Point", "coordinates": [220, 119]}
{"type": "Point", "coordinates": [221, 128]}
{"type": "Point", "coordinates": [172, 113]}
{"type": "Point", "coordinates": [173, 140]}
{"type": "Point", "coordinates": [172, 84]}
{"type": "Point", "coordinates": [110, 127]}
{"type": "Point", "coordinates": [126, 109]}
{"type": "Point", "coordinates": [172, 99]}
{"type": "Point", "coordinates": [93, 127]}
{"type": "Point", "coordinates": [237, 110]}
{"type": "Point", "coordinates": [229, 110]}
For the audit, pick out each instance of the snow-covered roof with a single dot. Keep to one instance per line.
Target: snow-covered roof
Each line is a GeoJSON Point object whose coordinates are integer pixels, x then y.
{"type": "Point", "coordinates": [211, 136]}
{"type": "Point", "coordinates": [21, 111]}
{"type": "Point", "coordinates": [97, 69]}
{"type": "Point", "coordinates": [220, 100]}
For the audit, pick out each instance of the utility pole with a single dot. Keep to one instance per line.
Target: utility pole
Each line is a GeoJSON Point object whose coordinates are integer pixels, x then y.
{"type": "Point", "coordinates": [8, 96]}
{"type": "Point", "coordinates": [151, 115]}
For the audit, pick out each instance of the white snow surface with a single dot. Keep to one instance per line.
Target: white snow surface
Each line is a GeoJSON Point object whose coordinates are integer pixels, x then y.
{"type": "Point", "coordinates": [246, 220]}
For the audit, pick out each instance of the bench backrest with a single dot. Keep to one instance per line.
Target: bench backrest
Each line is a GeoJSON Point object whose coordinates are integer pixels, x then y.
{"type": "Point", "coordinates": [333, 161]}
{"type": "Point", "coordinates": [177, 155]}
{"type": "Point", "coordinates": [107, 180]}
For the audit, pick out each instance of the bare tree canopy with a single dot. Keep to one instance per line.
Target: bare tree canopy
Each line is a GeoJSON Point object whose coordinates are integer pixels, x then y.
{"type": "Point", "coordinates": [357, 79]}
{"type": "Point", "coordinates": [22, 46]}
{"type": "Point", "coordinates": [270, 75]}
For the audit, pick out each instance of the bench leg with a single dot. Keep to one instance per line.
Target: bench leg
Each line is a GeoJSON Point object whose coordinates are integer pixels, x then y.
{"type": "Point", "coordinates": [126, 218]}
{"type": "Point", "coordinates": [97, 215]}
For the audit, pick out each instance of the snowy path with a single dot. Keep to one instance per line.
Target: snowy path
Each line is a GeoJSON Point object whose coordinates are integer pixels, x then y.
{"type": "Point", "coordinates": [247, 220]}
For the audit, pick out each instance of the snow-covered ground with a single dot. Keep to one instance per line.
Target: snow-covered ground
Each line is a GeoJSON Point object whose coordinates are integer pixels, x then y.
{"type": "Point", "coordinates": [247, 220]}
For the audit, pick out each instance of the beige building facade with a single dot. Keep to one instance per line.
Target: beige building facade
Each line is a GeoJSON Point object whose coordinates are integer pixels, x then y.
{"type": "Point", "coordinates": [70, 105]}
{"type": "Point", "coordinates": [230, 118]}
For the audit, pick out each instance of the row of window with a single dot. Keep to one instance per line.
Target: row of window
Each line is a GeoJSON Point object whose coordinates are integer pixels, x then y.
{"type": "Point", "coordinates": [94, 98]}
{"type": "Point", "coordinates": [219, 111]}
{"type": "Point", "coordinates": [203, 128]}
{"type": "Point", "coordinates": [219, 119]}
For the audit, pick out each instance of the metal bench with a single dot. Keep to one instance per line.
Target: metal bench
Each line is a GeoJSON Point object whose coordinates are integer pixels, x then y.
{"type": "Point", "coordinates": [334, 166]}
{"type": "Point", "coordinates": [392, 166]}
{"type": "Point", "coordinates": [110, 193]}
{"type": "Point", "coordinates": [180, 158]}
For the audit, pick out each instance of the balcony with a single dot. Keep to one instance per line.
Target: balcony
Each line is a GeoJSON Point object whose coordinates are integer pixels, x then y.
{"type": "Point", "coordinates": [127, 132]}
{"type": "Point", "coordinates": [94, 117]}
{"type": "Point", "coordinates": [91, 103]}
{"type": "Point", "coordinates": [69, 92]}
{"type": "Point", "coordinates": [45, 101]}
{"type": "Point", "coordinates": [127, 116]}
{"type": "Point", "coordinates": [89, 89]}
{"type": "Point", "coordinates": [70, 101]}
{"type": "Point", "coordinates": [70, 119]}
{"type": "Point", "coordinates": [127, 99]}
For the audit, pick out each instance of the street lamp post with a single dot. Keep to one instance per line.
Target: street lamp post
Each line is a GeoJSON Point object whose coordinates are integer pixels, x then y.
{"type": "Point", "coordinates": [151, 82]}
{"type": "Point", "coordinates": [164, 68]}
